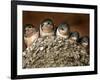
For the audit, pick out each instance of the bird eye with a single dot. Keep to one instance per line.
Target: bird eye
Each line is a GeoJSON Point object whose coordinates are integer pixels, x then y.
{"type": "Point", "coordinates": [42, 25]}
{"type": "Point", "coordinates": [49, 22]}
{"type": "Point", "coordinates": [63, 28]}
{"type": "Point", "coordinates": [30, 27]}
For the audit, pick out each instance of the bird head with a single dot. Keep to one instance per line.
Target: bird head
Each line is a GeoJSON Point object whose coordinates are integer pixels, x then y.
{"type": "Point", "coordinates": [64, 29]}
{"type": "Point", "coordinates": [47, 25]}
{"type": "Point", "coordinates": [85, 41]}
{"type": "Point", "coordinates": [74, 36]}
{"type": "Point", "coordinates": [29, 29]}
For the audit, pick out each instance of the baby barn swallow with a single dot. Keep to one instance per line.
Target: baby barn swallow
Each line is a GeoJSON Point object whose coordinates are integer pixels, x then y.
{"type": "Point", "coordinates": [63, 30]}
{"type": "Point", "coordinates": [30, 34]}
{"type": "Point", "coordinates": [47, 28]}
{"type": "Point", "coordinates": [85, 41]}
{"type": "Point", "coordinates": [74, 37]}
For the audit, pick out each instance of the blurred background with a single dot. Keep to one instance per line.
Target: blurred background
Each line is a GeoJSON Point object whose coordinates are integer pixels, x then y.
{"type": "Point", "coordinates": [78, 22]}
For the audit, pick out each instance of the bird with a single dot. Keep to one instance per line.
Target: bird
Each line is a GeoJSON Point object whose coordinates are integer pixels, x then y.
{"type": "Point", "coordinates": [85, 41]}
{"type": "Point", "coordinates": [47, 28]}
{"type": "Point", "coordinates": [74, 37]}
{"type": "Point", "coordinates": [63, 30]}
{"type": "Point", "coordinates": [30, 34]}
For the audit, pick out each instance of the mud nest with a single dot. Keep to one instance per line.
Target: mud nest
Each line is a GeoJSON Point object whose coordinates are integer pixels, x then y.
{"type": "Point", "coordinates": [54, 52]}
